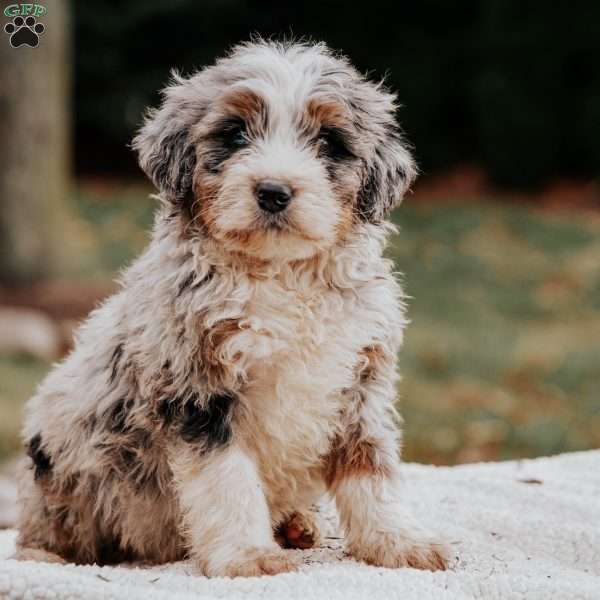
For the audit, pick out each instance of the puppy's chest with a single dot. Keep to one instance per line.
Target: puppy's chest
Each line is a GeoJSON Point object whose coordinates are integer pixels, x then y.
{"type": "Point", "coordinates": [296, 350]}
{"type": "Point", "coordinates": [301, 351]}
{"type": "Point", "coordinates": [300, 338]}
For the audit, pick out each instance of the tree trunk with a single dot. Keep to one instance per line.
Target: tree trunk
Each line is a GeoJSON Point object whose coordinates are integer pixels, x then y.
{"type": "Point", "coordinates": [34, 148]}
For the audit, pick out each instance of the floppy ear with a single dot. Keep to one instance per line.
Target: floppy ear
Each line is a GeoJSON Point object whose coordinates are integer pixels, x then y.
{"type": "Point", "coordinates": [166, 151]}
{"type": "Point", "coordinates": [390, 169]}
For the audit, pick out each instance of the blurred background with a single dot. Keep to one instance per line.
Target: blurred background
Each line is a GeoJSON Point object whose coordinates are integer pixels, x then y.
{"type": "Point", "coordinates": [499, 244]}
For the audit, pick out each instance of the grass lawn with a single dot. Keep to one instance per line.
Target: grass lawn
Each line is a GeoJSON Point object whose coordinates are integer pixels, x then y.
{"type": "Point", "coordinates": [502, 358]}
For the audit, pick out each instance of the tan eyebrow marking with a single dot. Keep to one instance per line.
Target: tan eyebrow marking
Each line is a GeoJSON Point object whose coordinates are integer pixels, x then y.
{"type": "Point", "coordinates": [325, 111]}
{"type": "Point", "coordinates": [248, 105]}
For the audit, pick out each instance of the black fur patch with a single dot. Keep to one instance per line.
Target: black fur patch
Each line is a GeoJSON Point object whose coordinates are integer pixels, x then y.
{"type": "Point", "coordinates": [41, 461]}
{"type": "Point", "coordinates": [229, 136]}
{"type": "Point", "coordinates": [172, 166]}
{"type": "Point", "coordinates": [209, 424]}
{"type": "Point", "coordinates": [90, 422]}
{"type": "Point", "coordinates": [117, 416]}
{"type": "Point", "coordinates": [335, 144]}
{"type": "Point", "coordinates": [110, 551]}
{"type": "Point", "coordinates": [188, 282]}
{"type": "Point", "coordinates": [167, 411]}
{"type": "Point", "coordinates": [114, 362]}
{"type": "Point", "coordinates": [212, 423]}
{"type": "Point", "coordinates": [367, 196]}
{"type": "Point", "coordinates": [381, 181]}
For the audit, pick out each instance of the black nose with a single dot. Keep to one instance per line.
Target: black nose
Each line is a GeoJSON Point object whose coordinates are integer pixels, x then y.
{"type": "Point", "coordinates": [273, 196]}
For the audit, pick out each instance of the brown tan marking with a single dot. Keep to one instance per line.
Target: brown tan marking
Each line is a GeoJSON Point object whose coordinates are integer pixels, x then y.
{"type": "Point", "coordinates": [354, 455]}
{"type": "Point", "coordinates": [206, 191]}
{"type": "Point", "coordinates": [248, 105]}
{"type": "Point", "coordinates": [210, 352]}
{"type": "Point", "coordinates": [371, 358]}
{"type": "Point", "coordinates": [325, 111]}
{"type": "Point", "coordinates": [347, 214]}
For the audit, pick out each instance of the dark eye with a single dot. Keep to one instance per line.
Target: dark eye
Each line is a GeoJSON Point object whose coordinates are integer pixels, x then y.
{"type": "Point", "coordinates": [233, 134]}
{"type": "Point", "coordinates": [226, 139]}
{"type": "Point", "coordinates": [334, 143]}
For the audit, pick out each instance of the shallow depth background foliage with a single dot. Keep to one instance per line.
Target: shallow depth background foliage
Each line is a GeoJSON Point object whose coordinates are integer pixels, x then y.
{"type": "Point", "coordinates": [498, 248]}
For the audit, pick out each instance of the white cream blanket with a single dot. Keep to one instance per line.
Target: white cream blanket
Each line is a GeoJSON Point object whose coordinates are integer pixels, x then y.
{"type": "Point", "coordinates": [523, 530]}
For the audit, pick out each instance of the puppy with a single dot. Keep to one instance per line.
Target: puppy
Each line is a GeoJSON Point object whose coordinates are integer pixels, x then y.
{"type": "Point", "coordinates": [247, 366]}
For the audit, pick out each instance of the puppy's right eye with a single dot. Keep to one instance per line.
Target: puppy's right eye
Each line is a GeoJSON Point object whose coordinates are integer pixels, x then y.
{"type": "Point", "coordinates": [226, 139]}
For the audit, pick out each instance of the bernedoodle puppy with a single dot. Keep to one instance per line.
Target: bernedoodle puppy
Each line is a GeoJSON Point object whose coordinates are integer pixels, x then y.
{"type": "Point", "coordinates": [247, 365]}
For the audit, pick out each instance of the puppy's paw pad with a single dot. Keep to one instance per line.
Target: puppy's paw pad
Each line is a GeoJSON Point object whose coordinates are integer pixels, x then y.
{"type": "Point", "coordinates": [395, 551]}
{"type": "Point", "coordinates": [299, 531]}
{"type": "Point", "coordinates": [258, 562]}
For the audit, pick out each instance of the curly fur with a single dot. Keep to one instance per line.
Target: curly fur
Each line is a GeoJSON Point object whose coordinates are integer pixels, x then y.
{"type": "Point", "coordinates": [247, 365]}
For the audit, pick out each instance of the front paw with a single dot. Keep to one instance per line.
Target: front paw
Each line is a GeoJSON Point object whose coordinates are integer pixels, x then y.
{"type": "Point", "coordinates": [256, 562]}
{"type": "Point", "coordinates": [395, 550]}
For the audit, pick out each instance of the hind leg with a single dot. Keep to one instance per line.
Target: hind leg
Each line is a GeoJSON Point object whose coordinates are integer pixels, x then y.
{"type": "Point", "coordinates": [38, 555]}
{"type": "Point", "coordinates": [42, 535]}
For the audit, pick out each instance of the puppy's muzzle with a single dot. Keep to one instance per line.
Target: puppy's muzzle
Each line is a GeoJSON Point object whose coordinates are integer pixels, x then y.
{"type": "Point", "coordinates": [273, 196]}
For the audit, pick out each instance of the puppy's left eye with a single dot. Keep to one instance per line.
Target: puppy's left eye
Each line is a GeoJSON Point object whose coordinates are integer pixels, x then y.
{"type": "Point", "coordinates": [334, 143]}
{"type": "Point", "coordinates": [238, 137]}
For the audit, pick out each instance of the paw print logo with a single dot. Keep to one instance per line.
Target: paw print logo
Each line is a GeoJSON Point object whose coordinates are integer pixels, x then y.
{"type": "Point", "coordinates": [24, 32]}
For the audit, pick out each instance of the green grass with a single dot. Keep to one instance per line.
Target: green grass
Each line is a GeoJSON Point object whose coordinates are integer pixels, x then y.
{"type": "Point", "coordinates": [503, 354]}
{"type": "Point", "coordinates": [18, 377]}
{"type": "Point", "coordinates": [108, 229]}
{"type": "Point", "coordinates": [502, 357]}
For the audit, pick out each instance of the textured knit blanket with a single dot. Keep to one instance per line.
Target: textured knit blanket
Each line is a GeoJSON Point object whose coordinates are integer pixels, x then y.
{"type": "Point", "coordinates": [527, 530]}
